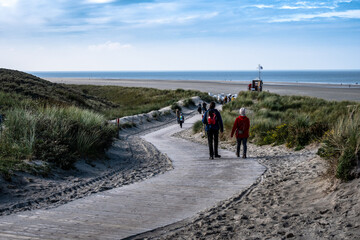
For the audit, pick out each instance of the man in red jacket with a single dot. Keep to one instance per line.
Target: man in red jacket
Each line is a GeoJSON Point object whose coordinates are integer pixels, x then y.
{"type": "Point", "coordinates": [241, 128]}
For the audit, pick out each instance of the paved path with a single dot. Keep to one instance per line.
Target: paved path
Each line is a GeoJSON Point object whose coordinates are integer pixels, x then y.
{"type": "Point", "coordinates": [195, 184]}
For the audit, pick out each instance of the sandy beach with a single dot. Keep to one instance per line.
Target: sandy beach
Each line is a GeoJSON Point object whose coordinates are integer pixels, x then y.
{"type": "Point", "coordinates": [325, 91]}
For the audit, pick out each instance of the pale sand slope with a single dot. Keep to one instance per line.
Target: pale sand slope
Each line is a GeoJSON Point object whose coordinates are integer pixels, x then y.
{"type": "Point", "coordinates": [293, 199]}
{"type": "Point", "coordinates": [329, 92]}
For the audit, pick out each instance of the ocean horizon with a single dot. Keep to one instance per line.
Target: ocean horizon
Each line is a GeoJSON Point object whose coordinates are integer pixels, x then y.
{"type": "Point", "coordinates": [288, 76]}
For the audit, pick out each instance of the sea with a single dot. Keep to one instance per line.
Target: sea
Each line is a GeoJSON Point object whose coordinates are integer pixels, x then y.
{"type": "Point", "coordinates": [305, 76]}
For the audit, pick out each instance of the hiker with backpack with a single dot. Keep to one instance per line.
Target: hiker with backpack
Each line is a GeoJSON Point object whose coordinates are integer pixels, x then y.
{"type": "Point", "coordinates": [204, 109]}
{"type": "Point", "coordinates": [213, 121]}
{"type": "Point", "coordinates": [181, 119]}
{"type": "Point", "coordinates": [241, 129]}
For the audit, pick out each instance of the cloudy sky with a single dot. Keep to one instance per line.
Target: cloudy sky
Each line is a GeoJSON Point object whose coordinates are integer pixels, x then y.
{"type": "Point", "coordinates": [60, 35]}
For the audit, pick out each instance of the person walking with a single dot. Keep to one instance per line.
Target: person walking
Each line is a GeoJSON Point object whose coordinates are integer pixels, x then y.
{"type": "Point", "coordinates": [199, 108]}
{"type": "Point", "coordinates": [177, 113]}
{"type": "Point", "coordinates": [181, 119]}
{"type": "Point", "coordinates": [204, 109]}
{"type": "Point", "coordinates": [212, 120]}
{"type": "Point", "coordinates": [241, 129]}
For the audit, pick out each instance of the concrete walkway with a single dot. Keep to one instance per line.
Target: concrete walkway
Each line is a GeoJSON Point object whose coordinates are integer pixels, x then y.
{"type": "Point", "coordinates": [196, 183]}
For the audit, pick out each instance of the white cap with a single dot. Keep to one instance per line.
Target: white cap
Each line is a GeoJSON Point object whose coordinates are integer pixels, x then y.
{"type": "Point", "coordinates": [242, 111]}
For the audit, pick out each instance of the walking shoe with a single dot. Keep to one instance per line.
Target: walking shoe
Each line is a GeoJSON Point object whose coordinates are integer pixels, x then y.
{"type": "Point", "coordinates": [238, 154]}
{"type": "Point", "coordinates": [218, 156]}
{"type": "Point", "coordinates": [244, 156]}
{"type": "Point", "coordinates": [211, 157]}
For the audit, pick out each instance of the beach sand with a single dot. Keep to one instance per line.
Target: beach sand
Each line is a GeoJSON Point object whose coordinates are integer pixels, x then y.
{"type": "Point", "coordinates": [325, 91]}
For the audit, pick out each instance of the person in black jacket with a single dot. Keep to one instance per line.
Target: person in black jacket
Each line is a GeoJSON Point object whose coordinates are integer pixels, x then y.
{"type": "Point", "coordinates": [212, 119]}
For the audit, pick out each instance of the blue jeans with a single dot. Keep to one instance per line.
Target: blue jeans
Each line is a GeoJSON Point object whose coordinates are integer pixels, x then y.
{"type": "Point", "coordinates": [244, 141]}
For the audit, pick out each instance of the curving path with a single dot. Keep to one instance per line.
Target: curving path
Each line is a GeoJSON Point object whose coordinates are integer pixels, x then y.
{"type": "Point", "coordinates": [195, 183]}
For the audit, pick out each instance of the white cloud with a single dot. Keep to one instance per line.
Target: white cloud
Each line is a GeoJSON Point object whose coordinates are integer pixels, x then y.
{"type": "Point", "coordinates": [301, 7]}
{"type": "Point", "coordinates": [108, 46]}
{"type": "Point", "coordinates": [261, 6]}
{"type": "Point", "coordinates": [100, 1]}
{"type": "Point", "coordinates": [173, 20]}
{"type": "Point", "coordinates": [8, 3]}
{"type": "Point", "coordinates": [354, 14]}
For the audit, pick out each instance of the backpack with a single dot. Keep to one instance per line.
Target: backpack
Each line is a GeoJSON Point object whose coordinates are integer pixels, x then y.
{"type": "Point", "coordinates": [241, 127]}
{"type": "Point", "coordinates": [181, 118]}
{"type": "Point", "coordinates": [211, 120]}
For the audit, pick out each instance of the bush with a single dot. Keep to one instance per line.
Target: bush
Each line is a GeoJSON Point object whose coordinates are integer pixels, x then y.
{"type": "Point", "coordinates": [342, 145]}
{"type": "Point", "coordinates": [198, 126]}
{"type": "Point", "coordinates": [53, 134]}
{"type": "Point", "coordinates": [155, 114]}
{"type": "Point", "coordinates": [297, 121]}
{"type": "Point", "coordinates": [175, 106]}
{"type": "Point", "coordinates": [188, 102]}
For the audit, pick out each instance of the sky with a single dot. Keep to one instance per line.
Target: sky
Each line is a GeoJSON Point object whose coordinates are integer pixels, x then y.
{"type": "Point", "coordinates": [151, 35]}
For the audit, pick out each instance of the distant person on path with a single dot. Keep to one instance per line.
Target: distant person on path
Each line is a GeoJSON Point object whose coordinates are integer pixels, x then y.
{"type": "Point", "coordinates": [204, 109]}
{"type": "Point", "coordinates": [225, 99]}
{"type": "Point", "coordinates": [177, 112]}
{"type": "Point", "coordinates": [181, 119]}
{"type": "Point", "coordinates": [199, 108]}
{"type": "Point", "coordinates": [241, 129]}
{"type": "Point", "coordinates": [213, 121]}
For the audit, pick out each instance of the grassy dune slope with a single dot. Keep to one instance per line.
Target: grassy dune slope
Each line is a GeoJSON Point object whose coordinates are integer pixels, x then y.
{"type": "Point", "coordinates": [134, 100]}
{"type": "Point", "coordinates": [58, 123]}
{"type": "Point", "coordinates": [298, 121]}
{"type": "Point", "coordinates": [35, 88]}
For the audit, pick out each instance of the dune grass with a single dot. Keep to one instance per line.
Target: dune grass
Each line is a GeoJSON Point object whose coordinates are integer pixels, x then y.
{"type": "Point", "coordinates": [135, 100]}
{"type": "Point", "coordinates": [59, 123]}
{"type": "Point", "coordinates": [298, 121]}
{"type": "Point", "coordinates": [59, 135]}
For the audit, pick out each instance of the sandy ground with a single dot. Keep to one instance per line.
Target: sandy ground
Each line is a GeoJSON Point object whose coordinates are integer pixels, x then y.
{"type": "Point", "coordinates": [329, 92]}
{"type": "Point", "coordinates": [293, 199]}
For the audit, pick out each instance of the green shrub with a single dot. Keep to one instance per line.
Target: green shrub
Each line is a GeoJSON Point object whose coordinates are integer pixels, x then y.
{"type": "Point", "coordinates": [53, 134]}
{"type": "Point", "coordinates": [175, 106]}
{"type": "Point", "coordinates": [298, 121]}
{"type": "Point", "coordinates": [198, 126]}
{"type": "Point", "coordinates": [188, 102]}
{"type": "Point", "coordinates": [155, 114]}
{"type": "Point", "coordinates": [342, 145]}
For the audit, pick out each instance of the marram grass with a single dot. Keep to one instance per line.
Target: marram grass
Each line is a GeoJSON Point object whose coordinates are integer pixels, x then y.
{"type": "Point", "coordinates": [297, 121]}
{"type": "Point", "coordinates": [54, 134]}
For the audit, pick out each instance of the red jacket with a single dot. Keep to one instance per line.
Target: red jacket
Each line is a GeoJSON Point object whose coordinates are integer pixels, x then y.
{"type": "Point", "coordinates": [241, 120]}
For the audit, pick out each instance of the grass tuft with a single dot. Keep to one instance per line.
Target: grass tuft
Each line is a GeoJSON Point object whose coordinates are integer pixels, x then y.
{"type": "Point", "coordinates": [298, 121]}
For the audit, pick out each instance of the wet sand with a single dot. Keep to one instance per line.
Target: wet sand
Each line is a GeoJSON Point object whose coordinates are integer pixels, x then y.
{"type": "Point", "coordinates": [325, 91]}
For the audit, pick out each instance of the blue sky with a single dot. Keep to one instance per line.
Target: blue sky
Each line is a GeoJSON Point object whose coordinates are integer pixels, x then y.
{"type": "Point", "coordinates": [179, 35]}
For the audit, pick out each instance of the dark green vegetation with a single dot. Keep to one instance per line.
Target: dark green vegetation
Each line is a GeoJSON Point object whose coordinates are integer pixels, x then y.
{"type": "Point", "coordinates": [298, 121]}
{"type": "Point", "coordinates": [28, 86]}
{"type": "Point", "coordinates": [134, 100]}
{"type": "Point", "coordinates": [198, 126]}
{"type": "Point", "coordinates": [48, 122]}
{"type": "Point", "coordinates": [59, 123]}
